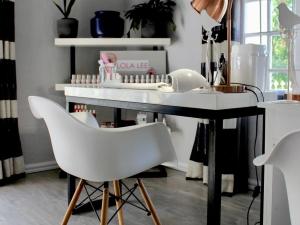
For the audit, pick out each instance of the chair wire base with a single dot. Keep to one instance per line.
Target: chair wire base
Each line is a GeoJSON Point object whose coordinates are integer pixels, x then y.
{"type": "Point", "coordinates": [125, 198]}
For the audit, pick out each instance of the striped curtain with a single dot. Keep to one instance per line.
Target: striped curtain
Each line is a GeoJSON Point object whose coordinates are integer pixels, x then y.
{"type": "Point", "coordinates": [11, 158]}
{"type": "Point", "coordinates": [231, 154]}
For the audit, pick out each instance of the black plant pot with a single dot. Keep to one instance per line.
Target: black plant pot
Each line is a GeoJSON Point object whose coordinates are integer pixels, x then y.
{"type": "Point", "coordinates": [155, 30]}
{"type": "Point", "coordinates": [107, 24]}
{"type": "Point", "coordinates": [67, 28]}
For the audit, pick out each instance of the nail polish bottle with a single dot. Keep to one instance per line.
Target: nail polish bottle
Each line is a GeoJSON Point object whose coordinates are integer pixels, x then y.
{"type": "Point", "coordinates": [73, 79]}
{"type": "Point", "coordinates": [137, 79]}
{"type": "Point", "coordinates": [78, 79]}
{"type": "Point", "coordinates": [126, 79]}
{"type": "Point", "coordinates": [152, 79]}
{"type": "Point", "coordinates": [83, 79]}
{"type": "Point", "coordinates": [142, 78]}
{"type": "Point", "coordinates": [157, 79]}
{"type": "Point", "coordinates": [147, 78]}
{"type": "Point", "coordinates": [131, 79]}
{"type": "Point", "coordinates": [94, 80]}
{"type": "Point", "coordinates": [88, 79]}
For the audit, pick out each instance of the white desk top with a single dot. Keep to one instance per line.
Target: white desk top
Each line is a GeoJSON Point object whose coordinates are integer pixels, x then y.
{"type": "Point", "coordinates": [193, 99]}
{"type": "Point", "coordinates": [286, 104]}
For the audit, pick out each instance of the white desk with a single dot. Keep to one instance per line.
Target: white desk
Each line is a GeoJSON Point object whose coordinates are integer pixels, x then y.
{"type": "Point", "coordinates": [213, 106]}
{"type": "Point", "coordinates": [194, 99]}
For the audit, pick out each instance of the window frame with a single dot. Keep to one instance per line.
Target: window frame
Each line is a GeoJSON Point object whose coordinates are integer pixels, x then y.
{"type": "Point", "coordinates": [269, 34]}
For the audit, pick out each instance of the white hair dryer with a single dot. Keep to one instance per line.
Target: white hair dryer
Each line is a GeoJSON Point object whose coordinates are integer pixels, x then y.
{"type": "Point", "coordinates": [184, 80]}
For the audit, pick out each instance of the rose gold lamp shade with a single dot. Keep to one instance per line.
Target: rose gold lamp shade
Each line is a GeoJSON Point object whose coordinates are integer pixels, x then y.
{"type": "Point", "coordinates": [216, 9]}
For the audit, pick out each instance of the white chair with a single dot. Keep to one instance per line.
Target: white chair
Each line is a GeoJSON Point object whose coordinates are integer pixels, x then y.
{"type": "Point", "coordinates": [286, 157]}
{"type": "Point", "coordinates": [86, 118]}
{"type": "Point", "coordinates": [102, 155]}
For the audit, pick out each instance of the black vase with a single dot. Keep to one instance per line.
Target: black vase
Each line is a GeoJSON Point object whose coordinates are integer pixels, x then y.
{"type": "Point", "coordinates": [67, 28]}
{"type": "Point", "coordinates": [155, 30]}
{"type": "Point", "coordinates": [107, 24]}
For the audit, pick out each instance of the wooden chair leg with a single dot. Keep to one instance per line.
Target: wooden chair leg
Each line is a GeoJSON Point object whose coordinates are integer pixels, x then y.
{"type": "Point", "coordinates": [148, 202]}
{"type": "Point", "coordinates": [104, 208]}
{"type": "Point", "coordinates": [73, 202]}
{"type": "Point", "coordinates": [118, 202]}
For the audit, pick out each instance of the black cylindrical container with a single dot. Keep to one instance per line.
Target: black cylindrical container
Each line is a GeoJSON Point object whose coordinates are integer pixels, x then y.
{"type": "Point", "coordinates": [67, 28]}
{"type": "Point", "coordinates": [107, 24]}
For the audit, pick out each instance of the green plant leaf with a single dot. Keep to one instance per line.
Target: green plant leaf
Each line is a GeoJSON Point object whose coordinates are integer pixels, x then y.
{"type": "Point", "coordinates": [71, 3]}
{"type": "Point", "coordinates": [65, 5]}
{"type": "Point", "coordinates": [59, 8]}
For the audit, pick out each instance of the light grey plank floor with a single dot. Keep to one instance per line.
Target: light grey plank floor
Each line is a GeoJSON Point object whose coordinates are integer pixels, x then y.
{"type": "Point", "coordinates": [40, 199]}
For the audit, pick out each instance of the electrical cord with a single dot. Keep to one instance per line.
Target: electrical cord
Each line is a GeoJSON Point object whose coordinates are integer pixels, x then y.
{"type": "Point", "coordinates": [248, 89]}
{"type": "Point", "coordinates": [256, 190]}
{"type": "Point", "coordinates": [248, 211]}
{"type": "Point", "coordinates": [252, 86]}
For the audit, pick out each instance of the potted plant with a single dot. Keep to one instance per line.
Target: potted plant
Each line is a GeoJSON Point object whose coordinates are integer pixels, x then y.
{"type": "Point", "coordinates": [66, 27]}
{"type": "Point", "coordinates": [155, 18]}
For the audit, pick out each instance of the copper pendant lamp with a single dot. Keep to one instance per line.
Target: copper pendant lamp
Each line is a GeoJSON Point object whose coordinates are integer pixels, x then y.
{"type": "Point", "coordinates": [217, 9]}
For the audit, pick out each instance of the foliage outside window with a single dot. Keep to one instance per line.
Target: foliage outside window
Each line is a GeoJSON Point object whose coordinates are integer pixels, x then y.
{"type": "Point", "coordinates": [263, 28]}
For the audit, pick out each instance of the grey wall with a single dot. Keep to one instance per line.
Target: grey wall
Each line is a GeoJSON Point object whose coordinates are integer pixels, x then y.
{"type": "Point", "coordinates": [40, 64]}
{"type": "Point", "coordinates": [185, 51]}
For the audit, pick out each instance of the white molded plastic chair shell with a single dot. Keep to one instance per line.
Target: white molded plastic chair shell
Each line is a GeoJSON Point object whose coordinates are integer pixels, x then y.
{"type": "Point", "coordinates": [286, 157]}
{"type": "Point", "coordinates": [102, 154]}
{"type": "Point", "coordinates": [86, 118]}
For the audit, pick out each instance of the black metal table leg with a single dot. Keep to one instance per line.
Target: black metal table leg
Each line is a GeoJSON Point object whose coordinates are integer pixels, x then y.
{"type": "Point", "coordinates": [71, 187]}
{"type": "Point", "coordinates": [71, 180]}
{"type": "Point", "coordinates": [262, 185]}
{"type": "Point", "coordinates": [214, 173]}
{"type": "Point", "coordinates": [117, 117]}
{"type": "Point", "coordinates": [72, 61]}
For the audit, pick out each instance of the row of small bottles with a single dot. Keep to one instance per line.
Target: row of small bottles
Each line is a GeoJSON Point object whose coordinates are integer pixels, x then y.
{"type": "Point", "coordinates": [145, 79]}
{"type": "Point", "coordinates": [84, 108]}
{"type": "Point", "coordinates": [107, 125]}
{"type": "Point", "coordinates": [92, 79]}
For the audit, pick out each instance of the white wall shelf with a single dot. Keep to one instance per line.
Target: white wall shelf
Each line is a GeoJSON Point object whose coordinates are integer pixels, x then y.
{"type": "Point", "coordinates": [111, 42]}
{"type": "Point", "coordinates": [61, 87]}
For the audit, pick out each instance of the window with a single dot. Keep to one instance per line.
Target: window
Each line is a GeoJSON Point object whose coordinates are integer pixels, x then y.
{"type": "Point", "coordinates": [261, 26]}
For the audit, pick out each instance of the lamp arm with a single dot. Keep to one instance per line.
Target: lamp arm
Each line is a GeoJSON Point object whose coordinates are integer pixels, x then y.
{"type": "Point", "coordinates": [229, 28]}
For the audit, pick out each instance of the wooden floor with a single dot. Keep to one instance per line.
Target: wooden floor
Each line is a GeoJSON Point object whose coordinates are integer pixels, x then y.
{"type": "Point", "coordinates": [40, 199]}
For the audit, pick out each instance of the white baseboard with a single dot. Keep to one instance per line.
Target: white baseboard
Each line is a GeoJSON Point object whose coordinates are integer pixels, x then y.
{"type": "Point", "coordinates": [39, 167]}
{"type": "Point", "coordinates": [183, 167]}
{"type": "Point", "coordinates": [177, 166]}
